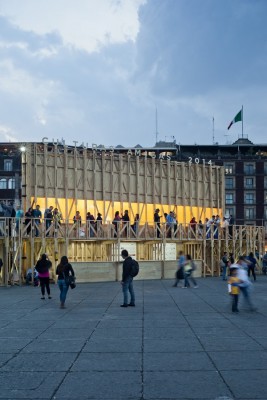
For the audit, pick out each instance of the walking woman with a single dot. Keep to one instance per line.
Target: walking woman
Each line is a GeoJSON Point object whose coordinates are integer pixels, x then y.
{"type": "Point", "coordinates": [42, 267]}
{"type": "Point", "coordinates": [64, 269]}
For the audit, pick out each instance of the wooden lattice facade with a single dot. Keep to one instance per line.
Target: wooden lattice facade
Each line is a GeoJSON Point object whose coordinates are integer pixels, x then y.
{"type": "Point", "coordinates": [96, 181]}
{"type": "Point", "coordinates": [99, 181]}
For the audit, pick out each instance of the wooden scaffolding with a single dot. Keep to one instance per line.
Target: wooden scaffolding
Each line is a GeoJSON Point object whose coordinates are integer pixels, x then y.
{"type": "Point", "coordinates": [100, 181]}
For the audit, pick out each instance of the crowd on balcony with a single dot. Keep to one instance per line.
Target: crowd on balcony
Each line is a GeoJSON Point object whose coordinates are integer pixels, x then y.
{"type": "Point", "coordinates": [35, 222]}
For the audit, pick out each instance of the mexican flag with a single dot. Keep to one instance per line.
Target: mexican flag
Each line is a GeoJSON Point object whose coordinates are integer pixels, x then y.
{"type": "Point", "coordinates": [237, 118]}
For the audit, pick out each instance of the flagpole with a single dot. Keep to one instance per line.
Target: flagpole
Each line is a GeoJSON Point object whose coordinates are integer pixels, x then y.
{"type": "Point", "coordinates": [213, 131]}
{"type": "Point", "coordinates": [242, 122]}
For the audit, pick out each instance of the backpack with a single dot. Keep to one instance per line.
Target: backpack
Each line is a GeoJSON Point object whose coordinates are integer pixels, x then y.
{"type": "Point", "coordinates": [224, 260]}
{"type": "Point", "coordinates": [134, 268]}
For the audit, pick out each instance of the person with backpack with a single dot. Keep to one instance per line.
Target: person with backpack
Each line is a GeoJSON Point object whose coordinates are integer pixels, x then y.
{"type": "Point", "coordinates": [130, 269]}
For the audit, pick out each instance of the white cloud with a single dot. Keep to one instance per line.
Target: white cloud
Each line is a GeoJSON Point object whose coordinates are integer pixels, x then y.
{"type": "Point", "coordinates": [20, 82]}
{"type": "Point", "coordinates": [8, 134]}
{"type": "Point", "coordinates": [13, 45]}
{"type": "Point", "coordinates": [41, 53]}
{"type": "Point", "coordinates": [85, 24]}
{"type": "Point", "coordinates": [29, 96]}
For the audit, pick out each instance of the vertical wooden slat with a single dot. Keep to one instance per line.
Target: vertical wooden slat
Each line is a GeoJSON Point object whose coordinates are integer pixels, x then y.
{"type": "Point", "coordinates": [55, 173]}
{"type": "Point", "coordinates": [153, 172]}
{"type": "Point", "coordinates": [161, 182]}
{"type": "Point", "coordinates": [145, 179]}
{"type": "Point", "coordinates": [197, 189]}
{"type": "Point", "coordinates": [35, 171]}
{"type": "Point", "coordinates": [120, 181]}
{"type": "Point", "coordinates": [45, 173]}
{"type": "Point", "coordinates": [169, 181]}
{"type": "Point", "coordinates": [128, 180]}
{"type": "Point", "coordinates": [137, 181]}
{"type": "Point", "coordinates": [65, 174]}
{"type": "Point", "coordinates": [85, 179]}
{"type": "Point", "coordinates": [211, 191]}
{"type": "Point", "coordinates": [183, 190]}
{"type": "Point", "coordinates": [190, 182]}
{"type": "Point", "coordinates": [74, 155]}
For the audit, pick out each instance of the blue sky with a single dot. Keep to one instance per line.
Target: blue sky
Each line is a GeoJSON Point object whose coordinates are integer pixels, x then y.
{"type": "Point", "coordinates": [95, 71]}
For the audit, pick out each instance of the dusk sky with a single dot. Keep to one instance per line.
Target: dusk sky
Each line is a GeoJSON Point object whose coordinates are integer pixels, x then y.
{"type": "Point", "coordinates": [96, 71]}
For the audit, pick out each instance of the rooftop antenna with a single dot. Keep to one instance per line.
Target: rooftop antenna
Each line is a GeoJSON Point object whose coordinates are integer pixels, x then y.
{"type": "Point", "coordinates": [156, 125]}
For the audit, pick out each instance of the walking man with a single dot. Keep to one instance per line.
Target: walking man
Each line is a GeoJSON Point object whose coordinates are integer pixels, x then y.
{"type": "Point", "coordinates": [127, 280]}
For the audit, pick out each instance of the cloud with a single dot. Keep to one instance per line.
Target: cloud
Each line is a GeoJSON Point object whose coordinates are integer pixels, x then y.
{"type": "Point", "coordinates": [205, 45]}
{"type": "Point", "coordinates": [87, 25]}
{"type": "Point", "coordinates": [98, 72]}
{"type": "Point", "coordinates": [7, 134]}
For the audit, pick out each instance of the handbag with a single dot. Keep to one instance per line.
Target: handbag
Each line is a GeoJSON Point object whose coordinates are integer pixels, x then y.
{"type": "Point", "coordinates": [70, 281]}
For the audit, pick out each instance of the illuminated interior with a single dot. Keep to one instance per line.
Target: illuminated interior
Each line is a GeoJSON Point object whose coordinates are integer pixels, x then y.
{"type": "Point", "coordinates": [68, 207]}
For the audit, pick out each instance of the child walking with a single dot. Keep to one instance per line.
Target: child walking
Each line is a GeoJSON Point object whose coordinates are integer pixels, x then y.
{"type": "Point", "coordinates": [233, 289]}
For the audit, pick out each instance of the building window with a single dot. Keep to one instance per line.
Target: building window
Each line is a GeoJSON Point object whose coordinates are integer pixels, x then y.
{"type": "Point", "coordinates": [229, 198]}
{"type": "Point", "coordinates": [229, 211]}
{"type": "Point", "coordinates": [229, 183]}
{"type": "Point", "coordinates": [8, 165]}
{"type": "Point", "coordinates": [249, 169]}
{"type": "Point", "coordinates": [265, 182]}
{"type": "Point", "coordinates": [229, 169]}
{"type": "Point", "coordinates": [249, 213]}
{"type": "Point", "coordinates": [11, 183]}
{"type": "Point", "coordinates": [249, 183]}
{"type": "Point", "coordinates": [249, 198]}
{"type": "Point", "coordinates": [3, 183]}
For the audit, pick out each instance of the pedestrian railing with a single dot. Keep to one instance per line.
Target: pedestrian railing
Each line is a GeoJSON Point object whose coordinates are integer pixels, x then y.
{"type": "Point", "coordinates": [99, 230]}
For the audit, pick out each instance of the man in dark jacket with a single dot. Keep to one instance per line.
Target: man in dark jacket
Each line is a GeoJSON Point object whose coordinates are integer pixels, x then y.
{"type": "Point", "coordinates": [127, 280]}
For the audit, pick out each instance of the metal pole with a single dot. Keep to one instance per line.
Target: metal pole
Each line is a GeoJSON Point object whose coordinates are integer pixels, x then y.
{"type": "Point", "coordinates": [242, 122]}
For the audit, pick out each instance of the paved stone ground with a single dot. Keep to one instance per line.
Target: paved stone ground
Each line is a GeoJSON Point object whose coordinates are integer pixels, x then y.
{"type": "Point", "coordinates": [175, 344]}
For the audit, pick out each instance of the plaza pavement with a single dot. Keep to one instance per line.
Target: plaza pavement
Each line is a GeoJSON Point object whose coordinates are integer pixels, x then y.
{"type": "Point", "coordinates": [175, 344]}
